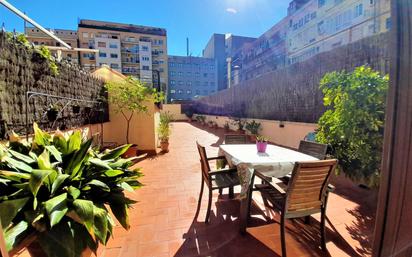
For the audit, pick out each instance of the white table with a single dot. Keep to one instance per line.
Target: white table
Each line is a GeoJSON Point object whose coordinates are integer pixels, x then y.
{"type": "Point", "coordinates": [276, 162]}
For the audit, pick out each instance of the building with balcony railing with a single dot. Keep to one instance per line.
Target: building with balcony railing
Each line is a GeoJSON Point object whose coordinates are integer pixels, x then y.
{"type": "Point", "coordinates": [134, 50]}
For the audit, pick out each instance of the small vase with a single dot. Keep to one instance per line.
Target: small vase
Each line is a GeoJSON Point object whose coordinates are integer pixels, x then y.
{"type": "Point", "coordinates": [261, 146]}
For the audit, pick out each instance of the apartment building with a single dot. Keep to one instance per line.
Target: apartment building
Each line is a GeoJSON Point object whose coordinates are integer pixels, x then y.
{"type": "Point", "coordinates": [133, 50]}
{"type": "Point", "coordinates": [37, 37]}
{"type": "Point", "coordinates": [321, 25]}
{"type": "Point", "coordinates": [222, 48]}
{"type": "Point", "coordinates": [265, 54]}
{"type": "Point", "coordinates": [191, 77]}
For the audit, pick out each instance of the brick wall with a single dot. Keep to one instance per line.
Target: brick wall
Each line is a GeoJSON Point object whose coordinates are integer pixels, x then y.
{"type": "Point", "coordinates": [22, 70]}
{"type": "Point", "coordinates": [292, 93]}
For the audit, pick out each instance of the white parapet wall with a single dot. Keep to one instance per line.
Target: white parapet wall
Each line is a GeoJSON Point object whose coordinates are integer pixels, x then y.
{"type": "Point", "coordinates": [283, 133]}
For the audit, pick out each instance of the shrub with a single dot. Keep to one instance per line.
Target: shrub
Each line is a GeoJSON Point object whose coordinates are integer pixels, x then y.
{"type": "Point", "coordinates": [253, 127]}
{"type": "Point", "coordinates": [59, 189]}
{"type": "Point", "coordinates": [163, 129]}
{"type": "Point", "coordinates": [354, 123]}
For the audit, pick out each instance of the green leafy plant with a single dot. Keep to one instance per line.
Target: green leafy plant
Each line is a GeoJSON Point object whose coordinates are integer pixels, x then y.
{"type": "Point", "coordinates": [45, 53]}
{"type": "Point", "coordinates": [58, 190]}
{"type": "Point", "coordinates": [129, 97]}
{"type": "Point", "coordinates": [163, 129]}
{"type": "Point", "coordinates": [354, 122]}
{"type": "Point", "coordinates": [253, 127]}
{"type": "Point", "coordinates": [260, 138]}
{"type": "Point", "coordinates": [201, 118]}
{"type": "Point", "coordinates": [239, 123]}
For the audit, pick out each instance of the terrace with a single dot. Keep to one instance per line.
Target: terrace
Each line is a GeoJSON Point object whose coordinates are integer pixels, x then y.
{"type": "Point", "coordinates": [163, 224]}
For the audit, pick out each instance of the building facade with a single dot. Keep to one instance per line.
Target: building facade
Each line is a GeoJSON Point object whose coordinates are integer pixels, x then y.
{"type": "Point", "coordinates": [322, 25]}
{"type": "Point", "coordinates": [191, 77]}
{"type": "Point", "coordinates": [222, 48]}
{"type": "Point", "coordinates": [311, 27]}
{"type": "Point", "coordinates": [37, 37]}
{"type": "Point", "coordinates": [138, 51]}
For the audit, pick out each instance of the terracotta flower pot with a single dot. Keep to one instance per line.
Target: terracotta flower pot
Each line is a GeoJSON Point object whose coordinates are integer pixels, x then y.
{"type": "Point", "coordinates": [131, 152]}
{"type": "Point", "coordinates": [252, 138]}
{"type": "Point", "coordinates": [164, 145]}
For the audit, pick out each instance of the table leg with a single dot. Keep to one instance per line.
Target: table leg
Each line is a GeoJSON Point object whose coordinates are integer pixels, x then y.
{"type": "Point", "coordinates": [245, 204]}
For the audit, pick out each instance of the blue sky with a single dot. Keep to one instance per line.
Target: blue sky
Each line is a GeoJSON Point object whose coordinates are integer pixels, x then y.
{"type": "Point", "coordinates": [196, 19]}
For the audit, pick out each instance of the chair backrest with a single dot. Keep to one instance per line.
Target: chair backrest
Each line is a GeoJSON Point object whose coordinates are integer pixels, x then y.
{"type": "Point", "coordinates": [203, 162]}
{"type": "Point", "coordinates": [233, 139]}
{"type": "Point", "coordinates": [313, 149]}
{"type": "Point", "coordinates": [307, 187]}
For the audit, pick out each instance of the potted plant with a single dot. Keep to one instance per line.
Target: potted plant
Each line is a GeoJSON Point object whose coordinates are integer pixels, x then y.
{"type": "Point", "coordinates": [129, 97]}
{"type": "Point", "coordinates": [261, 144]}
{"type": "Point", "coordinates": [56, 193]}
{"type": "Point", "coordinates": [52, 113]}
{"type": "Point", "coordinates": [210, 124]}
{"type": "Point", "coordinates": [163, 130]}
{"type": "Point", "coordinates": [240, 124]}
{"type": "Point", "coordinates": [254, 128]}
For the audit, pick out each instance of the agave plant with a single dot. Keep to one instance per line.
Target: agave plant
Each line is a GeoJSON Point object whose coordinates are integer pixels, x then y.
{"type": "Point", "coordinates": [59, 189]}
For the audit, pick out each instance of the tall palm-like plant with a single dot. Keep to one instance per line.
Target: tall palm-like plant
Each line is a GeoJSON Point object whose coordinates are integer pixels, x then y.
{"type": "Point", "coordinates": [57, 189]}
{"type": "Point", "coordinates": [129, 97]}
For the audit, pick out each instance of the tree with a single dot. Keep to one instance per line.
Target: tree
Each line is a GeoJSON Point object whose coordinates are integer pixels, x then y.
{"type": "Point", "coordinates": [130, 96]}
{"type": "Point", "coordinates": [353, 125]}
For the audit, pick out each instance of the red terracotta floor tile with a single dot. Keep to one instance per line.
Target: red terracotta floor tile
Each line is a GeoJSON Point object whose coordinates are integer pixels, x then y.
{"type": "Point", "coordinates": [162, 222]}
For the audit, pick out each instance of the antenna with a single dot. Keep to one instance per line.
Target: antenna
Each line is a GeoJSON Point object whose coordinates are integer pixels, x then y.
{"type": "Point", "coordinates": [187, 46]}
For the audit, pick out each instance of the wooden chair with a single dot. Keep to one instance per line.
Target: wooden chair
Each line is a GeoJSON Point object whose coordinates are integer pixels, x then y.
{"type": "Point", "coordinates": [233, 139]}
{"type": "Point", "coordinates": [313, 149]}
{"type": "Point", "coordinates": [215, 180]}
{"type": "Point", "coordinates": [305, 194]}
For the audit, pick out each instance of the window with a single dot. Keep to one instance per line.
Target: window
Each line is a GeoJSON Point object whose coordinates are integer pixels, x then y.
{"type": "Point", "coordinates": [102, 55]}
{"type": "Point", "coordinates": [388, 23]}
{"type": "Point", "coordinates": [189, 74]}
{"type": "Point", "coordinates": [313, 15]}
{"type": "Point", "coordinates": [145, 58]}
{"type": "Point", "coordinates": [181, 83]}
{"type": "Point", "coordinates": [145, 67]}
{"type": "Point", "coordinates": [160, 42]}
{"type": "Point", "coordinates": [189, 83]}
{"type": "Point", "coordinates": [114, 56]}
{"type": "Point", "coordinates": [212, 67]}
{"type": "Point", "coordinates": [101, 44]}
{"type": "Point", "coordinates": [180, 91]}
{"type": "Point", "coordinates": [205, 75]}
{"type": "Point", "coordinates": [197, 74]}
{"type": "Point", "coordinates": [145, 48]}
{"type": "Point", "coordinates": [172, 82]}
{"type": "Point", "coordinates": [172, 91]}
{"type": "Point", "coordinates": [171, 64]}
{"type": "Point", "coordinates": [85, 34]}
{"type": "Point", "coordinates": [180, 73]}
{"type": "Point", "coordinates": [307, 18]}
{"type": "Point", "coordinates": [172, 73]}
{"type": "Point", "coordinates": [358, 10]}
{"type": "Point", "coordinates": [114, 46]}
{"type": "Point", "coordinates": [114, 66]}
{"type": "Point", "coordinates": [189, 92]}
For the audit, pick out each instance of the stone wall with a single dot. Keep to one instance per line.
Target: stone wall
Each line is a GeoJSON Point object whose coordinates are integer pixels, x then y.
{"type": "Point", "coordinates": [292, 93]}
{"type": "Point", "coordinates": [22, 69]}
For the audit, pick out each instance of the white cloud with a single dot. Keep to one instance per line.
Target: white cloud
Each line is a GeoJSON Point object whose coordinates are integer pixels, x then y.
{"type": "Point", "coordinates": [231, 10]}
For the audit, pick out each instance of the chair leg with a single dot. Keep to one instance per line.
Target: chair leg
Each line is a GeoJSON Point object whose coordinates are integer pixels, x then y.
{"type": "Point", "coordinates": [250, 195]}
{"type": "Point", "coordinates": [282, 234]}
{"type": "Point", "coordinates": [322, 229]}
{"type": "Point", "coordinates": [220, 191]}
{"type": "Point", "coordinates": [307, 220]}
{"type": "Point", "coordinates": [231, 193]}
{"type": "Point", "coordinates": [209, 206]}
{"type": "Point", "coordinates": [199, 202]}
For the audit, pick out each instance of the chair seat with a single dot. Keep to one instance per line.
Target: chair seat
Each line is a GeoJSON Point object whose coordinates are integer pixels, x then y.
{"type": "Point", "coordinates": [272, 195]}
{"type": "Point", "coordinates": [225, 180]}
